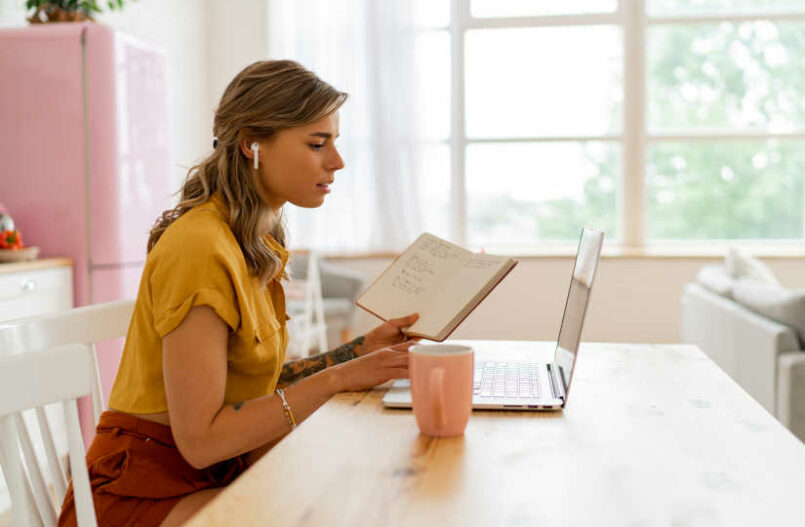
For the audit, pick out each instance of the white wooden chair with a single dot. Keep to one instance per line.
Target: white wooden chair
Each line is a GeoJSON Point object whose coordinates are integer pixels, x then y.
{"type": "Point", "coordinates": [80, 327]}
{"type": "Point", "coordinates": [32, 380]}
{"type": "Point", "coordinates": [305, 306]}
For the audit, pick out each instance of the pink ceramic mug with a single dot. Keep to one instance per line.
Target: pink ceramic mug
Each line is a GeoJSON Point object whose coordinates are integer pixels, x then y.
{"type": "Point", "coordinates": [441, 387]}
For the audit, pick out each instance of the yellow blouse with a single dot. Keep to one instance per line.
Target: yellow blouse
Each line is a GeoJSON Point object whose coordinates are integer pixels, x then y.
{"type": "Point", "coordinates": [196, 262]}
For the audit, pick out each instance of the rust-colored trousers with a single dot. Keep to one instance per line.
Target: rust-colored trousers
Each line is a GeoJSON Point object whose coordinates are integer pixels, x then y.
{"type": "Point", "coordinates": [138, 475]}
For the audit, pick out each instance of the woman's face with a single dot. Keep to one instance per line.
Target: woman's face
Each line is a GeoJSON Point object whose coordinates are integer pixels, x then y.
{"type": "Point", "coordinates": [298, 165]}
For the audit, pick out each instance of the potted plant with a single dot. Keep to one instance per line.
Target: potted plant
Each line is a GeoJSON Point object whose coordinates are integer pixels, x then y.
{"type": "Point", "coordinates": [66, 10]}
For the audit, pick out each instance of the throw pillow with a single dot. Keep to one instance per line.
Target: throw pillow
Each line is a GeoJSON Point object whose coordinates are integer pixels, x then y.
{"type": "Point", "coordinates": [786, 306]}
{"type": "Point", "coordinates": [741, 264]}
{"type": "Point", "coordinates": [716, 279]}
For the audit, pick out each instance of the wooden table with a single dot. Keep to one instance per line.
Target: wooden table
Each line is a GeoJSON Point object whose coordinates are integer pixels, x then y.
{"type": "Point", "coordinates": [652, 435]}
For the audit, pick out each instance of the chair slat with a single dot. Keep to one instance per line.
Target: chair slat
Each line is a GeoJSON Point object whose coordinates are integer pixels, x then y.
{"type": "Point", "coordinates": [85, 509]}
{"type": "Point", "coordinates": [97, 390]}
{"type": "Point", "coordinates": [16, 479]}
{"type": "Point", "coordinates": [41, 495]}
{"type": "Point", "coordinates": [57, 476]}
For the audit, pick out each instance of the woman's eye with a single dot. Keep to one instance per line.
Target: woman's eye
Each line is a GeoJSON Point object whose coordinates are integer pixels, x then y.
{"type": "Point", "coordinates": [316, 146]}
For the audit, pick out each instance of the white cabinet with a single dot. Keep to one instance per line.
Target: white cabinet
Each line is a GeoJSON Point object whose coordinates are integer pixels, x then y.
{"type": "Point", "coordinates": [35, 288]}
{"type": "Point", "coordinates": [29, 289]}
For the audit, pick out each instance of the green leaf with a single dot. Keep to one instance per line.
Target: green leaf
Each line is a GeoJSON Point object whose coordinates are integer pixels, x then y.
{"type": "Point", "coordinates": [92, 5]}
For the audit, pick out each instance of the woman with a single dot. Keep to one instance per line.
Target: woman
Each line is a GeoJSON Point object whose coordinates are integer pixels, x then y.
{"type": "Point", "coordinates": [202, 390]}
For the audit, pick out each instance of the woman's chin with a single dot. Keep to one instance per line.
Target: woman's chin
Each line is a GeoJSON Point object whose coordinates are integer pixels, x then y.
{"type": "Point", "coordinates": [309, 202]}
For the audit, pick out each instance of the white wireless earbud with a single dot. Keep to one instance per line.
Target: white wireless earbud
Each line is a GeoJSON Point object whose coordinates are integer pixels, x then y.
{"type": "Point", "coordinates": [256, 149]}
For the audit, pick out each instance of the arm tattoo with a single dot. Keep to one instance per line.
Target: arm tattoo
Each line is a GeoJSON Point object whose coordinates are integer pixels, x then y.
{"type": "Point", "coordinates": [295, 370]}
{"type": "Point", "coordinates": [345, 352]}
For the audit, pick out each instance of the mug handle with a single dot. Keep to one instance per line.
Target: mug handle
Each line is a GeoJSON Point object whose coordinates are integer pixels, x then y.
{"type": "Point", "coordinates": [437, 387]}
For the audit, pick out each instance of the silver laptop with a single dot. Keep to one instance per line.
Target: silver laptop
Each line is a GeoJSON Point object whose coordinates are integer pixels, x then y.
{"type": "Point", "coordinates": [525, 384]}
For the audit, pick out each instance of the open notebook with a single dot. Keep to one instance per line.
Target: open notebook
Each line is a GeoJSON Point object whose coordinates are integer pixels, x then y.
{"type": "Point", "coordinates": [437, 279]}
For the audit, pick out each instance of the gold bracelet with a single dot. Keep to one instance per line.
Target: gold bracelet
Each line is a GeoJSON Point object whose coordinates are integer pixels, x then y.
{"type": "Point", "coordinates": [286, 409]}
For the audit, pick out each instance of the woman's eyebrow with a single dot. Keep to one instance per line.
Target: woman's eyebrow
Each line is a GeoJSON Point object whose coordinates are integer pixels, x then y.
{"type": "Point", "coordinates": [325, 135]}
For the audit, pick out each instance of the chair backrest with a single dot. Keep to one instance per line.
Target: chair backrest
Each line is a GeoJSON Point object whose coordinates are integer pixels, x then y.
{"type": "Point", "coordinates": [80, 327]}
{"type": "Point", "coordinates": [30, 380]}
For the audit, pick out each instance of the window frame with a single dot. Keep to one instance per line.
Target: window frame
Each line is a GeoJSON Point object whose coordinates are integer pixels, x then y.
{"type": "Point", "coordinates": [635, 137]}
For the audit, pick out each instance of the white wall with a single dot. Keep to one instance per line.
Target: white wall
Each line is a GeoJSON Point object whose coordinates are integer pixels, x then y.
{"type": "Point", "coordinates": [633, 299]}
{"type": "Point", "coordinates": [236, 31]}
{"type": "Point", "coordinates": [179, 27]}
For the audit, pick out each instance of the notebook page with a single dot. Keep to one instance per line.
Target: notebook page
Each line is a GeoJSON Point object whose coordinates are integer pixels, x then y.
{"type": "Point", "coordinates": [459, 289]}
{"type": "Point", "coordinates": [412, 282]}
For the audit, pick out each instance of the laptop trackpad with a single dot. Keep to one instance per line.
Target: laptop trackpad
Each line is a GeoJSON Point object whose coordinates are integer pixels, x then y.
{"type": "Point", "coordinates": [399, 395]}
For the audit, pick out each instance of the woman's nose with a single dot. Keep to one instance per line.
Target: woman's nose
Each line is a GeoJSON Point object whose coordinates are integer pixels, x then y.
{"type": "Point", "coordinates": [336, 162]}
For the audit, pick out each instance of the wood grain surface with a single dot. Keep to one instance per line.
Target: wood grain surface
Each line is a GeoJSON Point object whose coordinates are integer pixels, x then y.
{"type": "Point", "coordinates": [652, 435]}
{"type": "Point", "coordinates": [34, 265]}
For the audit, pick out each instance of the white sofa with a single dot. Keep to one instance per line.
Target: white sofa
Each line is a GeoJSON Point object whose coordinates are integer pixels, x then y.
{"type": "Point", "coordinates": [763, 356]}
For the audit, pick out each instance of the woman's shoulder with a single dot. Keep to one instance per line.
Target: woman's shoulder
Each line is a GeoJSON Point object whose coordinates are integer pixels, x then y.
{"type": "Point", "coordinates": [200, 231]}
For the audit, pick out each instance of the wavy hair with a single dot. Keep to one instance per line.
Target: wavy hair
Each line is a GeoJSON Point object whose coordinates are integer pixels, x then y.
{"type": "Point", "coordinates": [263, 99]}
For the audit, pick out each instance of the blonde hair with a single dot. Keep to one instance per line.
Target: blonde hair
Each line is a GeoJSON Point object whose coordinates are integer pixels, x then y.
{"type": "Point", "coordinates": [263, 99]}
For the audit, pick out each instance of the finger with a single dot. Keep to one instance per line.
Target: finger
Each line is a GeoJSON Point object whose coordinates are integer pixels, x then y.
{"type": "Point", "coordinates": [394, 360]}
{"type": "Point", "coordinates": [398, 360]}
{"type": "Point", "coordinates": [398, 373]}
{"type": "Point", "coordinates": [404, 321]}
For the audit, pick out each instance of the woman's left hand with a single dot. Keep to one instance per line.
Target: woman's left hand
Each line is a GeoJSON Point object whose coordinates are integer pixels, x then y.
{"type": "Point", "coordinates": [387, 334]}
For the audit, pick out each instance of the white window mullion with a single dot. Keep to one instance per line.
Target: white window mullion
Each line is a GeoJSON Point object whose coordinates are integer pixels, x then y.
{"type": "Point", "coordinates": [737, 18]}
{"type": "Point", "coordinates": [711, 136]}
{"type": "Point", "coordinates": [540, 21]}
{"type": "Point", "coordinates": [459, 13]}
{"type": "Point", "coordinates": [546, 139]}
{"type": "Point", "coordinates": [633, 213]}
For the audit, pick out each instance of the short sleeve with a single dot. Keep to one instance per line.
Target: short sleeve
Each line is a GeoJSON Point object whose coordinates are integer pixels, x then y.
{"type": "Point", "coordinates": [194, 267]}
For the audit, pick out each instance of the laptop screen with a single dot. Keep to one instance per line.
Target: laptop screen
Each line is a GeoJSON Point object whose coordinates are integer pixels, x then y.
{"type": "Point", "coordinates": [578, 295]}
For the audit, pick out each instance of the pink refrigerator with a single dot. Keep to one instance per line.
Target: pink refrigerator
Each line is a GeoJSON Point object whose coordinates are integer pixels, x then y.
{"type": "Point", "coordinates": [85, 156]}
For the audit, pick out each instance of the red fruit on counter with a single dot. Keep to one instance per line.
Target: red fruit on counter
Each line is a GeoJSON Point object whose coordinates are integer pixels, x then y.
{"type": "Point", "coordinates": [11, 240]}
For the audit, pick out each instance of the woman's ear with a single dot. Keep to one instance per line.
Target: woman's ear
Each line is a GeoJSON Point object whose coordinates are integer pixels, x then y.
{"type": "Point", "coordinates": [245, 139]}
{"type": "Point", "coordinates": [245, 145]}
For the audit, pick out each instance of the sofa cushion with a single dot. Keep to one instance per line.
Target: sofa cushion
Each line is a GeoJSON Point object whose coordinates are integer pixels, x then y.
{"type": "Point", "coordinates": [786, 306]}
{"type": "Point", "coordinates": [717, 279]}
{"type": "Point", "coordinates": [741, 264]}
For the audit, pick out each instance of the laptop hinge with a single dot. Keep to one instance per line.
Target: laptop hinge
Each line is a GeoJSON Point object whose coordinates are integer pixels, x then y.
{"type": "Point", "coordinates": [558, 383]}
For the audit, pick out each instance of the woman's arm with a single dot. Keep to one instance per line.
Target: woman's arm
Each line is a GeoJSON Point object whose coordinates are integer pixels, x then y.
{"type": "Point", "coordinates": [387, 334]}
{"type": "Point", "coordinates": [194, 362]}
{"type": "Point", "coordinates": [295, 370]}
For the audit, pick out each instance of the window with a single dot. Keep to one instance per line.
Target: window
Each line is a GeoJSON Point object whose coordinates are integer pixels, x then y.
{"type": "Point", "coordinates": [661, 122]}
{"type": "Point", "coordinates": [664, 121]}
{"type": "Point", "coordinates": [725, 152]}
{"type": "Point", "coordinates": [543, 114]}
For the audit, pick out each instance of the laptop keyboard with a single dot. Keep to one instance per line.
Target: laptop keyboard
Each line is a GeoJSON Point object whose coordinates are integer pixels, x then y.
{"type": "Point", "coordinates": [507, 379]}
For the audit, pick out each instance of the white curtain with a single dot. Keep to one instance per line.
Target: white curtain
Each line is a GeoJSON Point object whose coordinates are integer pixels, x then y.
{"type": "Point", "coordinates": [366, 48]}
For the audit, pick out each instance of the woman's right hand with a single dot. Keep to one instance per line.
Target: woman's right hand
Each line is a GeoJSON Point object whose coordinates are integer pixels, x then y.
{"type": "Point", "coordinates": [377, 367]}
